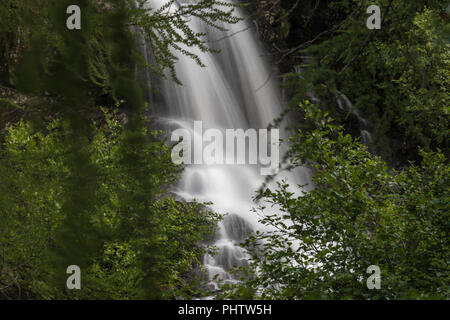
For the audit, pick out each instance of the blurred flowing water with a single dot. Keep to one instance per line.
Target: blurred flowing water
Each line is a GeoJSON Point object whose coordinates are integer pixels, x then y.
{"type": "Point", "coordinates": [235, 90]}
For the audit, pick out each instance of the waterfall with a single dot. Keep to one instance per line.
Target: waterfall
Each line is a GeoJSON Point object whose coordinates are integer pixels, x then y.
{"type": "Point", "coordinates": [234, 90]}
{"type": "Point", "coordinates": [346, 106]}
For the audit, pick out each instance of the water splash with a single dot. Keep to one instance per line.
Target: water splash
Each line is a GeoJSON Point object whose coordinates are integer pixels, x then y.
{"type": "Point", "coordinates": [235, 90]}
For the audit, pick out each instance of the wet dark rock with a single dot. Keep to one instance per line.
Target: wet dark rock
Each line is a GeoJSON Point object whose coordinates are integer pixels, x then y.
{"type": "Point", "coordinates": [236, 228]}
{"type": "Point", "coordinates": [230, 257]}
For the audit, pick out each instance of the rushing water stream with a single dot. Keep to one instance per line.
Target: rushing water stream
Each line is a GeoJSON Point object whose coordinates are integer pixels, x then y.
{"type": "Point", "coordinates": [233, 91]}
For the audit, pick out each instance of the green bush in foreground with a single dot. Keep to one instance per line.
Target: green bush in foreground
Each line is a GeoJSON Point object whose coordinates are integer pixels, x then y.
{"type": "Point", "coordinates": [360, 213]}
{"type": "Point", "coordinates": [118, 234]}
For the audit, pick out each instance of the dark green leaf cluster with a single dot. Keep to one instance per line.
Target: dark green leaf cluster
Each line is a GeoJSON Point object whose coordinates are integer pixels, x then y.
{"type": "Point", "coordinates": [133, 241]}
{"type": "Point", "coordinates": [396, 77]}
{"type": "Point", "coordinates": [360, 213]}
{"type": "Point", "coordinates": [168, 33]}
{"type": "Point", "coordinates": [87, 186]}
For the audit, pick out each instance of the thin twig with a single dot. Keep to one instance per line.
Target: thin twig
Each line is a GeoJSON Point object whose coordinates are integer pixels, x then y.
{"type": "Point", "coordinates": [367, 40]}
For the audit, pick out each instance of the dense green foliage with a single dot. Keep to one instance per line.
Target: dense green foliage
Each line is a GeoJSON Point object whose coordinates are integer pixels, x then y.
{"type": "Point", "coordinates": [88, 185]}
{"type": "Point", "coordinates": [81, 186]}
{"type": "Point", "coordinates": [36, 175]}
{"type": "Point", "coordinates": [360, 213]}
{"type": "Point", "coordinates": [396, 77]}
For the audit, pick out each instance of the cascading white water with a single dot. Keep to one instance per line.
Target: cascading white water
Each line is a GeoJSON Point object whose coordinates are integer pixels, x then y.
{"type": "Point", "coordinates": [231, 92]}
{"type": "Point", "coordinates": [345, 105]}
